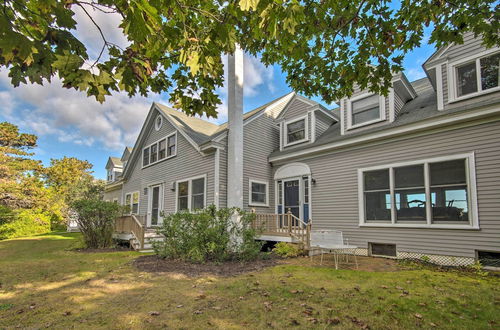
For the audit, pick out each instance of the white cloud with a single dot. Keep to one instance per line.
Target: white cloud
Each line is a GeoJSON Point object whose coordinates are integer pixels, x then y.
{"type": "Point", "coordinates": [415, 73]}
{"type": "Point", "coordinates": [71, 116]}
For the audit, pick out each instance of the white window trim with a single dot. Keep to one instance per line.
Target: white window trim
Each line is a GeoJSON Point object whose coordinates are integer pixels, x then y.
{"type": "Point", "coordinates": [471, 191]}
{"type": "Point", "coordinates": [190, 190]}
{"type": "Point", "coordinates": [158, 127]}
{"type": "Point", "coordinates": [452, 75]}
{"type": "Point", "coordinates": [294, 120]}
{"type": "Point", "coordinates": [157, 142]}
{"type": "Point", "coordinates": [381, 103]}
{"type": "Point", "coordinates": [250, 202]}
{"type": "Point", "coordinates": [132, 201]}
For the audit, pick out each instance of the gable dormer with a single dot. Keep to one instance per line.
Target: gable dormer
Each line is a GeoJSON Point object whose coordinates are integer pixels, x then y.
{"type": "Point", "coordinates": [302, 121]}
{"type": "Point", "coordinates": [463, 74]}
{"type": "Point", "coordinates": [114, 169]}
{"type": "Point", "coordinates": [126, 156]}
{"type": "Point", "coordinates": [365, 109]}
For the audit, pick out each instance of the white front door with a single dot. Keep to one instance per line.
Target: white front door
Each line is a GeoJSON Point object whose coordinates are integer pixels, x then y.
{"type": "Point", "coordinates": [155, 206]}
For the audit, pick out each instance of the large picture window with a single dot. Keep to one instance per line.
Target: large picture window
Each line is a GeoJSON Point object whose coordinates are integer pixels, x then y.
{"type": "Point", "coordinates": [477, 76]}
{"type": "Point", "coordinates": [191, 194]}
{"type": "Point", "coordinates": [258, 194]}
{"type": "Point", "coordinates": [160, 150]}
{"type": "Point", "coordinates": [438, 192]}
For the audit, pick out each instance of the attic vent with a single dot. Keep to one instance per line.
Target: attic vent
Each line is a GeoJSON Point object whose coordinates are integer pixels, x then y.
{"type": "Point", "coordinates": [488, 258]}
{"type": "Point", "coordinates": [386, 250]}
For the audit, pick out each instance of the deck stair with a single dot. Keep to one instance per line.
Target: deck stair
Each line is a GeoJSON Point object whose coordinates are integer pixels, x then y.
{"type": "Point", "coordinates": [132, 228]}
{"type": "Point", "coordinates": [150, 236]}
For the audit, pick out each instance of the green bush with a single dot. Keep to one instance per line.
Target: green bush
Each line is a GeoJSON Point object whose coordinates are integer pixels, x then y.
{"type": "Point", "coordinates": [25, 222]}
{"type": "Point", "coordinates": [96, 219]}
{"type": "Point", "coordinates": [206, 235]}
{"type": "Point", "coordinates": [287, 250]}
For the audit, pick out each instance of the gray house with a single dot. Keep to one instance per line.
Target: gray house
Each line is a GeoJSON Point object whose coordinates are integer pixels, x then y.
{"type": "Point", "coordinates": [412, 174]}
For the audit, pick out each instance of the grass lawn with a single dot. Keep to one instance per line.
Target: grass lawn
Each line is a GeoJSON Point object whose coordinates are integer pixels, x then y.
{"type": "Point", "coordinates": [44, 283]}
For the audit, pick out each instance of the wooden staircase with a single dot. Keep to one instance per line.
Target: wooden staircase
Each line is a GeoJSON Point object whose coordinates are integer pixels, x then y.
{"type": "Point", "coordinates": [133, 229]}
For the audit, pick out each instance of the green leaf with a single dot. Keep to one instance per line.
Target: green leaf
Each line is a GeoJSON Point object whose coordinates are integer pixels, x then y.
{"type": "Point", "coordinates": [247, 5]}
{"type": "Point", "coordinates": [67, 61]}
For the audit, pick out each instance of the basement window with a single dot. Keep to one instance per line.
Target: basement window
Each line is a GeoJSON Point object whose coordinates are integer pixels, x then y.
{"type": "Point", "coordinates": [488, 258]}
{"type": "Point", "coordinates": [379, 249]}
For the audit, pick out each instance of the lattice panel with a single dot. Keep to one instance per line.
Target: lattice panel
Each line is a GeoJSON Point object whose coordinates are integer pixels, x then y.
{"type": "Point", "coordinates": [437, 259]}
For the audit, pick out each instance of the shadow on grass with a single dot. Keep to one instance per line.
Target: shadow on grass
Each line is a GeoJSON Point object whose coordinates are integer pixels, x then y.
{"type": "Point", "coordinates": [52, 286]}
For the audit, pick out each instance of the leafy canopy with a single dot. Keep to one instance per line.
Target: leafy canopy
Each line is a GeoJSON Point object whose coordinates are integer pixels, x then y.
{"type": "Point", "coordinates": [175, 46]}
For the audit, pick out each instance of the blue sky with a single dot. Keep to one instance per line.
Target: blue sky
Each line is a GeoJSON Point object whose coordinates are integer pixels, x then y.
{"type": "Point", "coordinates": [70, 124]}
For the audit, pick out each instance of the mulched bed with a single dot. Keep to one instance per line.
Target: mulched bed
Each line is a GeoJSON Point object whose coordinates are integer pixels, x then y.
{"type": "Point", "coordinates": [107, 250]}
{"type": "Point", "coordinates": [154, 264]}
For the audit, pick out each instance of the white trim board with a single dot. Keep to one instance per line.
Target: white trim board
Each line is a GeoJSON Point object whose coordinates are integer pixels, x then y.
{"type": "Point", "coordinates": [190, 191]}
{"type": "Point", "coordinates": [250, 202]}
{"type": "Point", "coordinates": [471, 192]}
{"type": "Point", "coordinates": [452, 79]}
{"type": "Point", "coordinates": [382, 116]}
{"type": "Point", "coordinates": [294, 120]}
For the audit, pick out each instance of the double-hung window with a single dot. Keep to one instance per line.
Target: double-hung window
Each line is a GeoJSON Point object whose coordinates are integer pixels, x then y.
{"type": "Point", "coordinates": [438, 192]}
{"type": "Point", "coordinates": [160, 150]}
{"type": "Point", "coordinates": [258, 194]}
{"type": "Point", "coordinates": [172, 145]}
{"type": "Point", "coordinates": [132, 201]}
{"type": "Point", "coordinates": [476, 76]}
{"type": "Point", "coordinates": [191, 194]}
{"type": "Point", "coordinates": [364, 110]}
{"type": "Point", "coordinates": [296, 130]}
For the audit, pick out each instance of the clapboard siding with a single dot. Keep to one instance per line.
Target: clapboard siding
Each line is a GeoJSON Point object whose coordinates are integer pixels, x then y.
{"type": "Point", "coordinates": [335, 194]}
{"type": "Point", "coordinates": [188, 163]}
{"type": "Point", "coordinates": [260, 138]}
{"type": "Point", "coordinates": [398, 104]}
{"type": "Point", "coordinates": [110, 195]}
{"type": "Point", "coordinates": [223, 175]}
{"type": "Point", "coordinates": [322, 124]}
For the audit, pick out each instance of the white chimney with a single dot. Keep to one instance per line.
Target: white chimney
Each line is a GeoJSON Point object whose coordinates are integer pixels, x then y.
{"type": "Point", "coordinates": [235, 130]}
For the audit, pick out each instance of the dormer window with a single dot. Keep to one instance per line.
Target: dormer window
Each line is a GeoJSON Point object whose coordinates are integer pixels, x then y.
{"type": "Point", "coordinates": [477, 76]}
{"type": "Point", "coordinates": [365, 109]}
{"type": "Point", "coordinates": [296, 131]}
{"type": "Point", "coordinates": [110, 175]}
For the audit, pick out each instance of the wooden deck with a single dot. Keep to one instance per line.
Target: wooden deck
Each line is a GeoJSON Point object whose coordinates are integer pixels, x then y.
{"type": "Point", "coordinates": [270, 227]}
{"type": "Point", "coordinates": [283, 227]}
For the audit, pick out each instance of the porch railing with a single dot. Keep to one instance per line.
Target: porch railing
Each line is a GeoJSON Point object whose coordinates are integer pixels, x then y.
{"type": "Point", "coordinates": [131, 224]}
{"type": "Point", "coordinates": [283, 225]}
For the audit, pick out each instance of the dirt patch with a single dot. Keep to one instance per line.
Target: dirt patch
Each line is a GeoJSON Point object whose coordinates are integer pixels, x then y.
{"type": "Point", "coordinates": [106, 250]}
{"type": "Point", "coordinates": [154, 264]}
{"type": "Point", "coordinates": [367, 264]}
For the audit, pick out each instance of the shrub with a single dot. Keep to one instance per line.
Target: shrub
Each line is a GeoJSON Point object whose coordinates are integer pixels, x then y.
{"type": "Point", "coordinates": [287, 250]}
{"type": "Point", "coordinates": [25, 222]}
{"type": "Point", "coordinates": [207, 235]}
{"type": "Point", "coordinates": [96, 219]}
